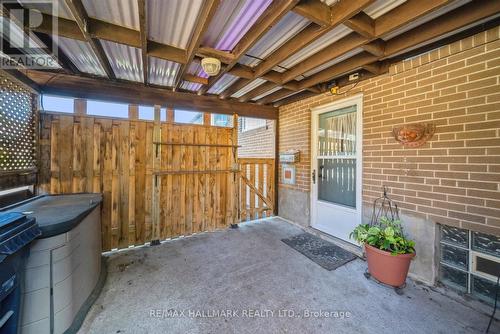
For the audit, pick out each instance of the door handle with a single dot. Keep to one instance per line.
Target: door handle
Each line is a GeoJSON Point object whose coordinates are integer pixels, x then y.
{"type": "Point", "coordinates": [320, 175]}
{"type": "Point", "coordinates": [314, 176]}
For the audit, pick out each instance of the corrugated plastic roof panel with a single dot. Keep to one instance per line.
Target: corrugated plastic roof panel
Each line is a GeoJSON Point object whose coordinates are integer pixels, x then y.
{"type": "Point", "coordinates": [286, 28]}
{"type": "Point", "coordinates": [275, 89]}
{"type": "Point", "coordinates": [125, 60]}
{"type": "Point", "coordinates": [16, 37]}
{"type": "Point", "coordinates": [231, 21]}
{"type": "Point", "coordinates": [438, 12]}
{"type": "Point", "coordinates": [192, 86]}
{"type": "Point", "coordinates": [173, 21]}
{"type": "Point", "coordinates": [331, 63]}
{"type": "Point", "coordinates": [223, 83]}
{"type": "Point", "coordinates": [316, 46]}
{"type": "Point", "coordinates": [162, 72]}
{"type": "Point", "coordinates": [380, 7]}
{"type": "Point", "coordinates": [121, 12]}
{"type": "Point", "coordinates": [196, 69]}
{"type": "Point", "coordinates": [81, 55]}
{"type": "Point", "coordinates": [58, 8]}
{"type": "Point", "coordinates": [251, 86]}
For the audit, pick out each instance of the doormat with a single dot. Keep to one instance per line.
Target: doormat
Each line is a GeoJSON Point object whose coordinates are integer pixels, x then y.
{"type": "Point", "coordinates": [324, 253]}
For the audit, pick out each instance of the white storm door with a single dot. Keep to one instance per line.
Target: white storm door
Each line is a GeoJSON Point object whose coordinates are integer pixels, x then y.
{"type": "Point", "coordinates": [337, 167]}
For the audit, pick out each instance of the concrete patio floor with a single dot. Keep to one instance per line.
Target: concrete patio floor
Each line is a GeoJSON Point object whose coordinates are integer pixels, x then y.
{"type": "Point", "coordinates": [250, 270]}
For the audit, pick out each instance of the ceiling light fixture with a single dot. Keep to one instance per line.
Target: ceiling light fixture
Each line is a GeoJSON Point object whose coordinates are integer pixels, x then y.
{"type": "Point", "coordinates": [211, 66]}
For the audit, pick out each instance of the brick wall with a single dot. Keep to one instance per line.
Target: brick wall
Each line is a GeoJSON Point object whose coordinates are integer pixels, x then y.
{"type": "Point", "coordinates": [453, 179]}
{"type": "Point", "coordinates": [257, 143]}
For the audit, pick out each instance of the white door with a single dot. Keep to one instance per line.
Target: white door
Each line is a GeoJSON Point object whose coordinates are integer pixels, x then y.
{"type": "Point", "coordinates": [336, 167]}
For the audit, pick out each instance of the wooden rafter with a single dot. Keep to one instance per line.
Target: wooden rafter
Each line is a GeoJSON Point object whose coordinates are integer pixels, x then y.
{"type": "Point", "coordinates": [61, 57]}
{"type": "Point", "coordinates": [274, 96]}
{"type": "Point", "coordinates": [143, 29]}
{"type": "Point", "coordinates": [340, 47]}
{"type": "Point", "coordinates": [82, 19]}
{"type": "Point", "coordinates": [340, 12]}
{"type": "Point", "coordinates": [135, 93]}
{"type": "Point", "coordinates": [261, 89]}
{"type": "Point", "coordinates": [362, 24]}
{"type": "Point", "coordinates": [365, 25]}
{"type": "Point", "coordinates": [453, 20]}
{"type": "Point", "coordinates": [276, 10]}
{"type": "Point", "coordinates": [195, 79]}
{"type": "Point", "coordinates": [236, 86]}
{"type": "Point", "coordinates": [315, 11]}
{"type": "Point", "coordinates": [207, 12]}
{"type": "Point", "coordinates": [458, 18]}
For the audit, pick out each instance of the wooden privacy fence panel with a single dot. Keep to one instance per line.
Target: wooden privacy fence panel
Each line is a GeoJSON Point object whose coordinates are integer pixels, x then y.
{"type": "Point", "coordinates": [257, 188]}
{"type": "Point", "coordinates": [158, 180]}
{"type": "Point", "coordinates": [197, 185]}
{"type": "Point", "coordinates": [102, 155]}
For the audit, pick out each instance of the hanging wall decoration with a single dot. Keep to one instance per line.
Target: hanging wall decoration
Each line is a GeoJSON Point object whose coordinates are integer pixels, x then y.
{"type": "Point", "coordinates": [414, 135]}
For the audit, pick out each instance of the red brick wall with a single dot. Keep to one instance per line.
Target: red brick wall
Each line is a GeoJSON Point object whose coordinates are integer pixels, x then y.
{"type": "Point", "coordinates": [453, 179]}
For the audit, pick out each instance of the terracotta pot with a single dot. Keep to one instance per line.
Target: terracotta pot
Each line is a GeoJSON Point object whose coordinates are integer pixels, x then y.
{"type": "Point", "coordinates": [387, 268]}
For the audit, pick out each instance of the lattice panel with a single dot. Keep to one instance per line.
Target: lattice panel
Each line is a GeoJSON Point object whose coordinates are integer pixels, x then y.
{"type": "Point", "coordinates": [17, 149]}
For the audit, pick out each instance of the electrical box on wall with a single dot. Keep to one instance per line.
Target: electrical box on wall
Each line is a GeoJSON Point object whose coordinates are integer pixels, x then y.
{"type": "Point", "coordinates": [288, 174]}
{"type": "Point", "coordinates": [290, 157]}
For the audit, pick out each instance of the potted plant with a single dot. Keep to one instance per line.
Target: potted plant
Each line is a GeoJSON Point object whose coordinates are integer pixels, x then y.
{"type": "Point", "coordinates": [388, 251]}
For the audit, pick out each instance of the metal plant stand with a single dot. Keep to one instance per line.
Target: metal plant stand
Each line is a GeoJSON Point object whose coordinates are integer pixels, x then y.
{"type": "Point", "coordinates": [384, 207]}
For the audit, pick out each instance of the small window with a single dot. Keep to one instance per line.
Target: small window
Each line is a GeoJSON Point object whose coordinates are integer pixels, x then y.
{"type": "Point", "coordinates": [190, 117]}
{"type": "Point", "coordinates": [222, 120]}
{"type": "Point", "coordinates": [147, 113]}
{"type": "Point", "coordinates": [57, 103]}
{"type": "Point", "coordinates": [107, 109]}
{"type": "Point", "coordinates": [248, 123]}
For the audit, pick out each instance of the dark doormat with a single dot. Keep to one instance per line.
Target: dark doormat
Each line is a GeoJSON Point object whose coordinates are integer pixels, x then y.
{"type": "Point", "coordinates": [324, 253]}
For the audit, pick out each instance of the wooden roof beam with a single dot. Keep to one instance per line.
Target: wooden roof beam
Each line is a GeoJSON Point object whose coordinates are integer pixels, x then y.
{"type": "Point", "coordinates": [82, 19]}
{"type": "Point", "coordinates": [453, 20]}
{"type": "Point", "coordinates": [336, 49]}
{"type": "Point", "coordinates": [224, 56]}
{"type": "Point", "coordinates": [236, 86]}
{"type": "Point", "coordinates": [362, 24]}
{"type": "Point", "coordinates": [336, 70]}
{"type": "Point", "coordinates": [293, 98]}
{"type": "Point", "coordinates": [315, 11]}
{"type": "Point", "coordinates": [143, 29]}
{"type": "Point", "coordinates": [259, 90]}
{"type": "Point", "coordinates": [341, 11]}
{"type": "Point", "coordinates": [134, 93]}
{"type": "Point", "coordinates": [283, 92]}
{"type": "Point", "coordinates": [203, 20]}
{"type": "Point", "coordinates": [355, 40]}
{"type": "Point", "coordinates": [376, 47]}
{"type": "Point", "coordinates": [276, 10]}
{"type": "Point", "coordinates": [195, 79]}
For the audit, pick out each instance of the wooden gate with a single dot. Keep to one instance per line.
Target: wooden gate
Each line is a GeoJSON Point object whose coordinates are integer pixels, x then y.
{"type": "Point", "coordinates": [158, 179]}
{"type": "Point", "coordinates": [257, 198]}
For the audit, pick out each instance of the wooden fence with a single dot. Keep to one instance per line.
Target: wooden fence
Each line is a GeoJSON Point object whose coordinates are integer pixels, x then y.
{"type": "Point", "coordinates": [158, 180]}
{"type": "Point", "coordinates": [257, 188]}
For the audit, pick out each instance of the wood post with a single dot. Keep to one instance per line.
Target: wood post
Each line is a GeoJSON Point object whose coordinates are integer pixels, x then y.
{"type": "Point", "coordinates": [133, 111]}
{"type": "Point", "coordinates": [170, 114]}
{"type": "Point", "coordinates": [235, 181]}
{"type": "Point", "coordinates": [207, 119]}
{"type": "Point", "coordinates": [80, 106]}
{"type": "Point", "coordinates": [156, 179]}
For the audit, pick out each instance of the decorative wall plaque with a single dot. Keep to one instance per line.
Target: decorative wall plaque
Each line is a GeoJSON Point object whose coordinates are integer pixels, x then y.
{"type": "Point", "coordinates": [414, 135]}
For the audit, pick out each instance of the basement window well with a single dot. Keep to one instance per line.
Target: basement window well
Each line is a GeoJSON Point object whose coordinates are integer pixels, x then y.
{"type": "Point", "coordinates": [469, 262]}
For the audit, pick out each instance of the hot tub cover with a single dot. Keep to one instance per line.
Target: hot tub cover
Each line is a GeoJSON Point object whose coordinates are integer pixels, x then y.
{"type": "Point", "coordinates": [56, 214]}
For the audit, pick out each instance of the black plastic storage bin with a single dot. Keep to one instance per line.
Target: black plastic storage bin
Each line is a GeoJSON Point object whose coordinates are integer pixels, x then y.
{"type": "Point", "coordinates": [16, 232]}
